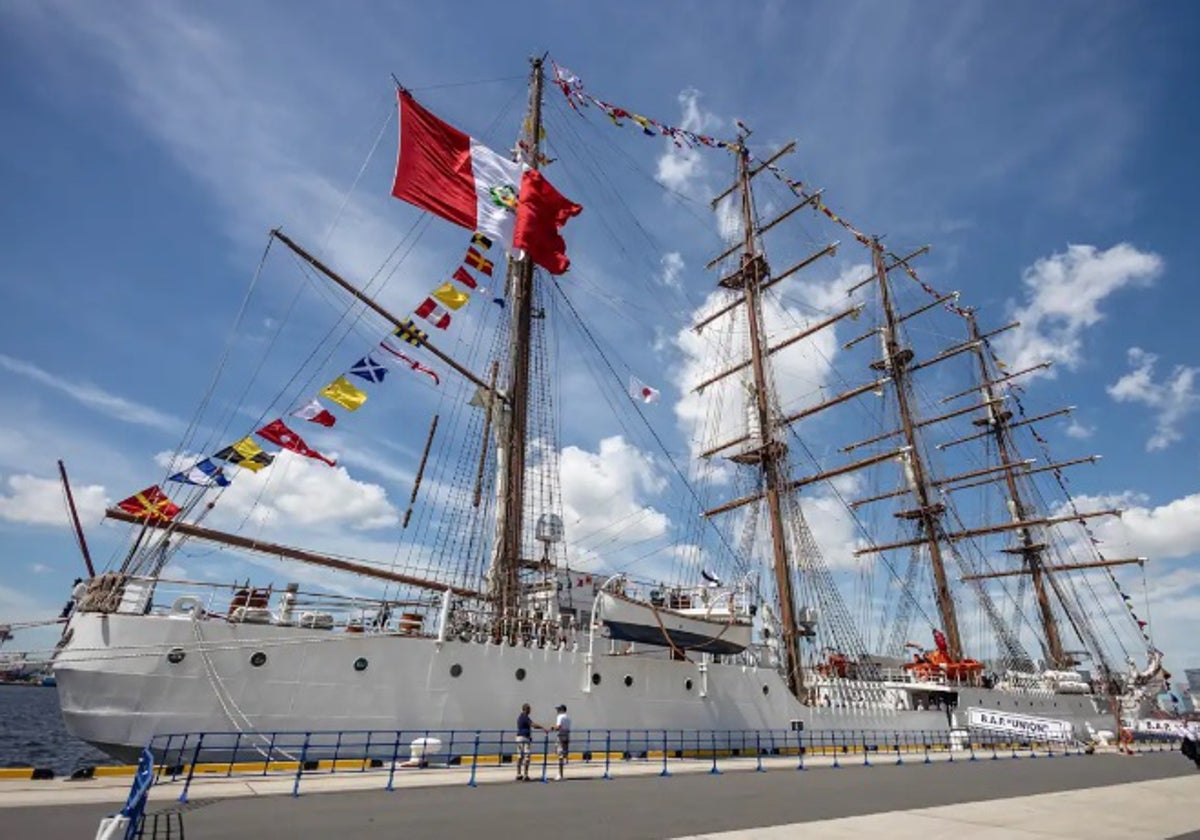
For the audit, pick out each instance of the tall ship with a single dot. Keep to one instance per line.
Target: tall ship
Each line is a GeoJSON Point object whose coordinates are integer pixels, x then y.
{"type": "Point", "coordinates": [867, 529]}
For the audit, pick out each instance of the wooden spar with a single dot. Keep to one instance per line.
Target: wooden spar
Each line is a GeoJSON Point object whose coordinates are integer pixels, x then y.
{"type": "Point", "coordinates": [1090, 459]}
{"type": "Point", "coordinates": [1025, 422]}
{"type": "Point", "coordinates": [1008, 467]}
{"type": "Point", "coordinates": [1030, 551]}
{"type": "Point", "coordinates": [310, 557]}
{"type": "Point", "coordinates": [787, 214]}
{"type": "Point", "coordinates": [832, 401]}
{"type": "Point", "coordinates": [504, 579]}
{"type": "Point", "coordinates": [799, 415]}
{"type": "Point", "coordinates": [732, 248]}
{"type": "Point", "coordinates": [896, 363]}
{"type": "Point", "coordinates": [948, 353]}
{"type": "Point", "coordinates": [1097, 564]}
{"type": "Point", "coordinates": [935, 302]}
{"type": "Point", "coordinates": [83, 546]}
{"type": "Point", "coordinates": [991, 529]}
{"type": "Point", "coordinates": [787, 149]}
{"type": "Point", "coordinates": [920, 424]}
{"type": "Point", "coordinates": [941, 482]}
{"type": "Point", "coordinates": [708, 453]}
{"type": "Point", "coordinates": [846, 468]}
{"type": "Point", "coordinates": [729, 307]}
{"type": "Point", "coordinates": [370, 303]}
{"type": "Point", "coordinates": [999, 380]}
{"type": "Point", "coordinates": [898, 261]}
{"type": "Point", "coordinates": [787, 342]}
{"type": "Point", "coordinates": [1013, 526]}
{"type": "Point", "coordinates": [412, 500]}
{"type": "Point", "coordinates": [477, 496]}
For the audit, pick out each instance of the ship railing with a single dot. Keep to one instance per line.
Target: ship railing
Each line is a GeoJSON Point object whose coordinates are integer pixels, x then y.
{"type": "Point", "coordinates": [387, 754]}
{"type": "Point", "coordinates": [290, 606]}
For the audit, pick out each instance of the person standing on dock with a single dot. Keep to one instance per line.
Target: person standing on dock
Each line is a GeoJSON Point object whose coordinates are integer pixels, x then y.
{"type": "Point", "coordinates": [525, 727]}
{"type": "Point", "coordinates": [562, 725]}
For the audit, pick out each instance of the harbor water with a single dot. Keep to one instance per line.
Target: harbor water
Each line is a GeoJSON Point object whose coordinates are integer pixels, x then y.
{"type": "Point", "coordinates": [32, 733]}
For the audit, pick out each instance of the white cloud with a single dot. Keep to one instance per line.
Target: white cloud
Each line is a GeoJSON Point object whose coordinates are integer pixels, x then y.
{"type": "Point", "coordinates": [672, 268]}
{"type": "Point", "coordinates": [39, 568]}
{"type": "Point", "coordinates": [682, 168]}
{"type": "Point", "coordinates": [603, 494]}
{"type": "Point", "coordinates": [94, 397]}
{"type": "Point", "coordinates": [1063, 296]}
{"type": "Point", "coordinates": [1166, 532]}
{"type": "Point", "coordinates": [1078, 430]}
{"type": "Point", "coordinates": [1172, 399]}
{"type": "Point", "coordinates": [39, 501]}
{"type": "Point", "coordinates": [245, 119]}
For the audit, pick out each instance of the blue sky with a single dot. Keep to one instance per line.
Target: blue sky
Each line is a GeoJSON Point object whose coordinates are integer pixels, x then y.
{"type": "Point", "coordinates": [1045, 152]}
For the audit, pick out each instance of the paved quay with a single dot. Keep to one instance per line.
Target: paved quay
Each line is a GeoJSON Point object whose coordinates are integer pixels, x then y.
{"type": "Point", "coordinates": [1153, 795]}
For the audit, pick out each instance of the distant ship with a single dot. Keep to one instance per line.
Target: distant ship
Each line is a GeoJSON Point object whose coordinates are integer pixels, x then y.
{"type": "Point", "coordinates": [740, 623]}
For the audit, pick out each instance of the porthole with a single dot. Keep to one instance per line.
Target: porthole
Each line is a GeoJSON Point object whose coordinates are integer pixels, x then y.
{"type": "Point", "coordinates": [520, 675]}
{"type": "Point", "coordinates": [687, 685]}
{"type": "Point", "coordinates": [456, 670]}
{"type": "Point", "coordinates": [258, 659]}
{"type": "Point", "coordinates": [360, 664]}
{"type": "Point", "coordinates": [628, 680]}
{"type": "Point", "coordinates": [766, 689]}
{"type": "Point", "coordinates": [595, 679]}
{"type": "Point", "coordinates": [176, 656]}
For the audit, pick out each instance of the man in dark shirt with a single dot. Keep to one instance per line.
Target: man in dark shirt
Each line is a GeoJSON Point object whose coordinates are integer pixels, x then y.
{"type": "Point", "coordinates": [525, 727]}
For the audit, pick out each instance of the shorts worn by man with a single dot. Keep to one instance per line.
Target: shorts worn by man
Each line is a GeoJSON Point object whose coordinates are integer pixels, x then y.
{"type": "Point", "coordinates": [525, 727]}
{"type": "Point", "coordinates": [562, 726]}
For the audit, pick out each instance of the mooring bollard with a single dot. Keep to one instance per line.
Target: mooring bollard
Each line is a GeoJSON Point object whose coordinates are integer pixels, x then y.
{"type": "Point", "coordinates": [713, 741]}
{"type": "Point", "coordinates": [300, 768]}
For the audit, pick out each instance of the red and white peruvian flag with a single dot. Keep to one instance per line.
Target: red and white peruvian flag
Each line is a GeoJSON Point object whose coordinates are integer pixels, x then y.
{"type": "Point", "coordinates": [639, 390]}
{"type": "Point", "coordinates": [454, 176]}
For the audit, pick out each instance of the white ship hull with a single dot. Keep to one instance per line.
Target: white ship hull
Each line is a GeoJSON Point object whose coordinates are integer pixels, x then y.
{"type": "Point", "coordinates": [118, 687]}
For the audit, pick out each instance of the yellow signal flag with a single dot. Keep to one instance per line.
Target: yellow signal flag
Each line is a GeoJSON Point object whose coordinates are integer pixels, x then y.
{"type": "Point", "coordinates": [454, 298]}
{"type": "Point", "coordinates": [344, 394]}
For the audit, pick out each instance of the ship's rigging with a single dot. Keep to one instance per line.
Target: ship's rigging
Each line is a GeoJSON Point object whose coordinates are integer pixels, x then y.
{"type": "Point", "coordinates": [484, 545]}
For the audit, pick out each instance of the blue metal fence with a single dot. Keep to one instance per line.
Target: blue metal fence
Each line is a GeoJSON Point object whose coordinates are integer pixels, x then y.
{"type": "Point", "coordinates": [296, 755]}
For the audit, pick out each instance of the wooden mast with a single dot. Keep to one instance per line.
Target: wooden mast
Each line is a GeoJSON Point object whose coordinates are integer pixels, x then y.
{"type": "Point", "coordinates": [773, 453]}
{"type": "Point", "coordinates": [520, 291]}
{"type": "Point", "coordinates": [896, 360]}
{"type": "Point", "coordinates": [997, 419]}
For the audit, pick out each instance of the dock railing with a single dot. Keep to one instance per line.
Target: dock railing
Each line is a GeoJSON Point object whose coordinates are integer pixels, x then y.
{"type": "Point", "coordinates": [386, 754]}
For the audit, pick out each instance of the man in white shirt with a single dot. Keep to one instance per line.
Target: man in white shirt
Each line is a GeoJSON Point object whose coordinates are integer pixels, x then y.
{"type": "Point", "coordinates": [562, 726]}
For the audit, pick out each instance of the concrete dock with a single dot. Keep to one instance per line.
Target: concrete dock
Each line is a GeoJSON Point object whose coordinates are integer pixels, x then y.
{"type": "Point", "coordinates": [1152, 795]}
